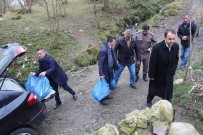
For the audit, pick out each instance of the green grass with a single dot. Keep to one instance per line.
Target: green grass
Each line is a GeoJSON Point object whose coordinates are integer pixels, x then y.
{"type": "Point", "coordinates": [181, 93]}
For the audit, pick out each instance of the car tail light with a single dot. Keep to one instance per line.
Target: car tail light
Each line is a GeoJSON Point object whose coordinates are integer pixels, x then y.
{"type": "Point", "coordinates": [32, 99]}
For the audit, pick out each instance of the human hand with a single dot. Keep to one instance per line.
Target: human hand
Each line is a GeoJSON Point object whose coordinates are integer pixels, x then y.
{"type": "Point", "coordinates": [33, 73]}
{"type": "Point", "coordinates": [42, 73]}
{"type": "Point", "coordinates": [102, 76]}
{"type": "Point", "coordinates": [151, 78]}
{"type": "Point", "coordinates": [184, 37]}
{"type": "Point", "coordinates": [138, 62]}
{"type": "Point", "coordinates": [149, 49]}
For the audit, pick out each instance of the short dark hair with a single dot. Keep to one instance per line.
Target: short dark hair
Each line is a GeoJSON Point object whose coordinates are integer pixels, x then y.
{"type": "Point", "coordinates": [110, 38]}
{"type": "Point", "coordinates": [40, 49]}
{"type": "Point", "coordinates": [169, 30]}
{"type": "Point", "coordinates": [145, 27]}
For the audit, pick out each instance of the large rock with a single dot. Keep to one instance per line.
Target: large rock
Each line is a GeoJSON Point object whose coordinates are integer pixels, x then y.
{"type": "Point", "coordinates": [180, 128]}
{"type": "Point", "coordinates": [158, 118]}
{"type": "Point", "coordinates": [161, 113]}
{"type": "Point", "coordinates": [165, 110]}
{"type": "Point", "coordinates": [108, 129]}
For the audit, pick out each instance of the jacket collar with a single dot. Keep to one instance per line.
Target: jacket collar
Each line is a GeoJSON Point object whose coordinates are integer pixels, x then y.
{"type": "Point", "coordinates": [165, 46]}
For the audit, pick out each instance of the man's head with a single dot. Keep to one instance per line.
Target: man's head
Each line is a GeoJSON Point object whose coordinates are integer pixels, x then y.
{"type": "Point", "coordinates": [128, 33]}
{"type": "Point", "coordinates": [145, 29]}
{"type": "Point", "coordinates": [41, 52]}
{"type": "Point", "coordinates": [111, 40]}
{"type": "Point", "coordinates": [186, 18]}
{"type": "Point", "coordinates": [170, 36]}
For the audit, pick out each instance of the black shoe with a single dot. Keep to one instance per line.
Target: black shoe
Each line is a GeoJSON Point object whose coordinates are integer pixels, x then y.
{"type": "Point", "coordinates": [75, 96]}
{"type": "Point", "coordinates": [109, 97]}
{"type": "Point", "coordinates": [133, 86]}
{"type": "Point", "coordinates": [145, 78]}
{"type": "Point", "coordinates": [57, 105]}
{"type": "Point", "coordinates": [149, 105]}
{"type": "Point", "coordinates": [104, 102]}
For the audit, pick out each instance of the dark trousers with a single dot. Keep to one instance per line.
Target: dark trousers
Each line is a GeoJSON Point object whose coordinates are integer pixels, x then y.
{"type": "Point", "coordinates": [65, 86]}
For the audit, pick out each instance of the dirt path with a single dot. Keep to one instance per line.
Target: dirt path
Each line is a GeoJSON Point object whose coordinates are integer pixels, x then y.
{"type": "Point", "coordinates": [86, 115]}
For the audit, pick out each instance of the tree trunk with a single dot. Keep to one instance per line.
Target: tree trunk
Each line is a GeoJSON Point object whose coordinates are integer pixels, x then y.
{"type": "Point", "coordinates": [106, 5]}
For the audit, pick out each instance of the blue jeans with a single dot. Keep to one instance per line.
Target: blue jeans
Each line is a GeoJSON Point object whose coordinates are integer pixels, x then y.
{"type": "Point", "coordinates": [131, 69]}
{"type": "Point", "coordinates": [185, 54]}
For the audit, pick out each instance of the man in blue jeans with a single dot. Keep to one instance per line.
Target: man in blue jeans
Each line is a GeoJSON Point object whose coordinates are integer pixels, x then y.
{"type": "Point", "coordinates": [185, 37]}
{"type": "Point", "coordinates": [125, 50]}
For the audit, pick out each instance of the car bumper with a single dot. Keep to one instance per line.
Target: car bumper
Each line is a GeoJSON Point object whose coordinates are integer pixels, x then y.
{"type": "Point", "coordinates": [39, 117]}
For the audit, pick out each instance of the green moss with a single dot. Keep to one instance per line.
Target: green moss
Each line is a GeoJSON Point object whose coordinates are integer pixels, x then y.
{"type": "Point", "coordinates": [125, 128]}
{"type": "Point", "coordinates": [88, 57]}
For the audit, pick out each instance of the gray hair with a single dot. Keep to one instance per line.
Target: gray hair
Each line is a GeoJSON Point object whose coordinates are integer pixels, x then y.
{"type": "Point", "coordinates": [128, 31]}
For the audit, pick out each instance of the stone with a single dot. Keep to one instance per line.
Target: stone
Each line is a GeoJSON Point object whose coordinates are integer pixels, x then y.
{"type": "Point", "coordinates": [108, 129]}
{"type": "Point", "coordinates": [126, 128]}
{"type": "Point", "coordinates": [180, 128]}
{"type": "Point", "coordinates": [178, 81]}
{"type": "Point", "coordinates": [165, 110]}
{"type": "Point", "coordinates": [141, 124]}
{"type": "Point", "coordinates": [159, 130]}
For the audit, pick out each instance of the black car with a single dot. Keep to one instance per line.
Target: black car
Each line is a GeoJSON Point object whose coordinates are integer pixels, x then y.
{"type": "Point", "coordinates": [20, 111]}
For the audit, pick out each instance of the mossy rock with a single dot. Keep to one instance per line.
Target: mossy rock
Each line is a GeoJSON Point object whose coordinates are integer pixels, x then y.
{"type": "Point", "coordinates": [108, 129]}
{"type": "Point", "coordinates": [126, 128]}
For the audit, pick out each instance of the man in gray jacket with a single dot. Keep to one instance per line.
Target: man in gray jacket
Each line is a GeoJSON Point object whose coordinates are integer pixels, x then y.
{"type": "Point", "coordinates": [145, 40]}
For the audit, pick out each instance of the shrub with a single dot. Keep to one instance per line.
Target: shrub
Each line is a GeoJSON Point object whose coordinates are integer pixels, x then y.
{"type": "Point", "coordinates": [88, 57]}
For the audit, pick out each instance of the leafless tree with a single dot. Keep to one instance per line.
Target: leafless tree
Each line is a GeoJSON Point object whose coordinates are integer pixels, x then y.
{"type": "Point", "coordinates": [26, 5]}
{"type": "Point", "coordinates": [55, 9]}
{"type": "Point", "coordinates": [3, 6]}
{"type": "Point", "coordinates": [106, 5]}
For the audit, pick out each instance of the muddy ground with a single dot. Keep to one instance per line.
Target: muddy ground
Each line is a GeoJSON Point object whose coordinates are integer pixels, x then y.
{"type": "Point", "coordinates": [86, 115]}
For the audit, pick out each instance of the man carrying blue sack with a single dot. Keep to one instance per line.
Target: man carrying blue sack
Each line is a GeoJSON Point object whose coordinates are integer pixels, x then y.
{"type": "Point", "coordinates": [107, 63]}
{"type": "Point", "coordinates": [57, 77]}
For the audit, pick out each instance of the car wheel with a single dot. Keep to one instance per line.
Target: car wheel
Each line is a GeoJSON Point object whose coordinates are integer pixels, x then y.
{"type": "Point", "coordinates": [24, 131]}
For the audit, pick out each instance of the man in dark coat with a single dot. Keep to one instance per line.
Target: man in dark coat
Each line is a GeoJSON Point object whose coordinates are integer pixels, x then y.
{"type": "Point", "coordinates": [107, 63]}
{"type": "Point", "coordinates": [57, 77]}
{"type": "Point", "coordinates": [185, 37]}
{"type": "Point", "coordinates": [162, 66]}
{"type": "Point", "coordinates": [126, 49]}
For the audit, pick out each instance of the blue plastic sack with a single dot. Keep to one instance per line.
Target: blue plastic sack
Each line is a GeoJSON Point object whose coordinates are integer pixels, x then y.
{"type": "Point", "coordinates": [40, 86]}
{"type": "Point", "coordinates": [101, 90]}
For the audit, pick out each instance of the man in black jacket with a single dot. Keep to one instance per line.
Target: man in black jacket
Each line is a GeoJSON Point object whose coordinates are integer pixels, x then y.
{"type": "Point", "coordinates": [125, 50]}
{"type": "Point", "coordinates": [57, 77]}
{"type": "Point", "coordinates": [162, 66]}
{"type": "Point", "coordinates": [185, 37]}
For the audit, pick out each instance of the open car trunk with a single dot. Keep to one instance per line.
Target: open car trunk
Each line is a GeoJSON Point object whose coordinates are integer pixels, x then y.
{"type": "Point", "coordinates": [8, 53]}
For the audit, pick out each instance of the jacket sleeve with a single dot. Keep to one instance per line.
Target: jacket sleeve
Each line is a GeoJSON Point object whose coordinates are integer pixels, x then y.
{"type": "Point", "coordinates": [138, 52]}
{"type": "Point", "coordinates": [101, 59]}
{"type": "Point", "coordinates": [115, 48]}
{"type": "Point", "coordinates": [177, 56]}
{"type": "Point", "coordinates": [179, 33]}
{"type": "Point", "coordinates": [38, 71]}
{"type": "Point", "coordinates": [153, 63]}
{"type": "Point", "coordinates": [193, 30]}
{"type": "Point", "coordinates": [52, 65]}
{"type": "Point", "coordinates": [153, 40]}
